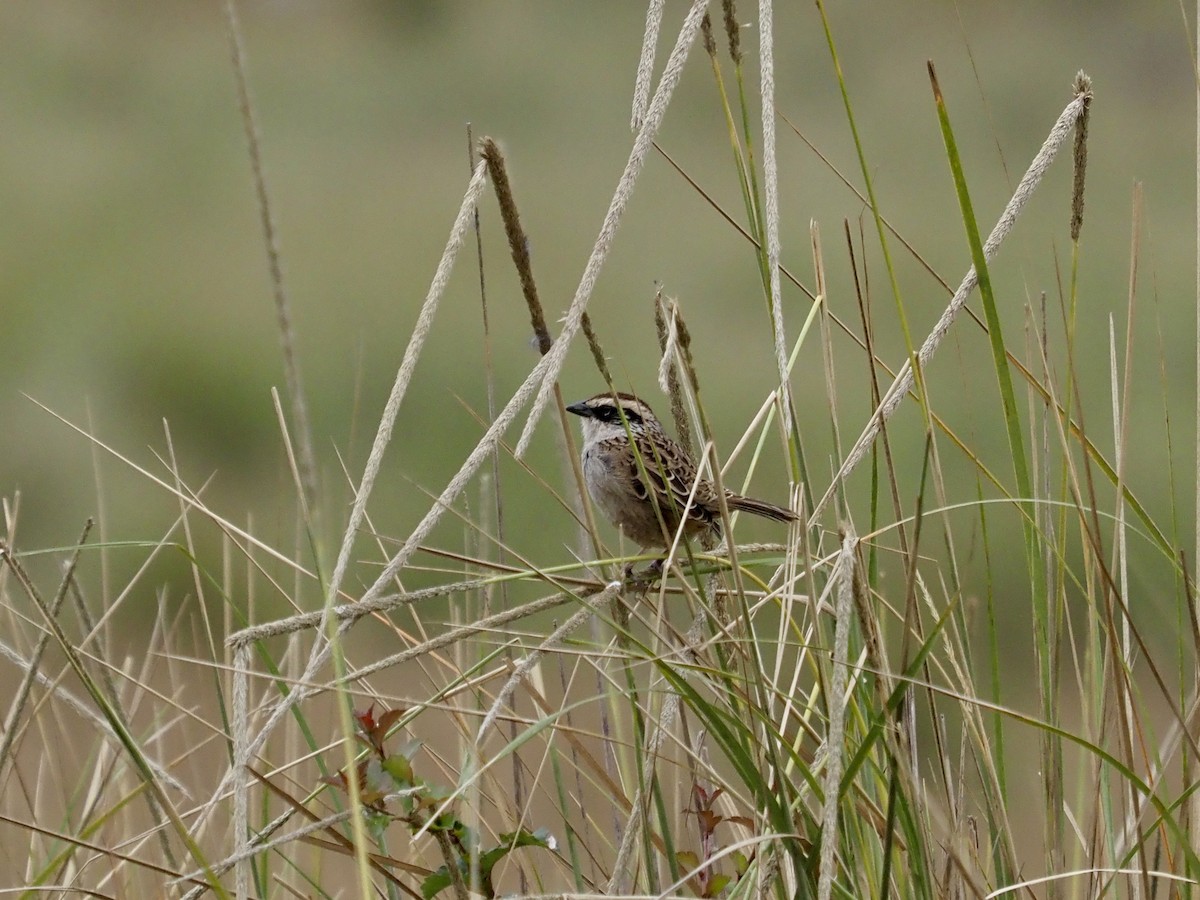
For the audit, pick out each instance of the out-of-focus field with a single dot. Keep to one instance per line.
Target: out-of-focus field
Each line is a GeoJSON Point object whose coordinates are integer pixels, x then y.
{"type": "Point", "coordinates": [134, 287]}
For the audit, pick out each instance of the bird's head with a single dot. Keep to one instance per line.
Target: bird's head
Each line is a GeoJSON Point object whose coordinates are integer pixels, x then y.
{"type": "Point", "coordinates": [605, 416]}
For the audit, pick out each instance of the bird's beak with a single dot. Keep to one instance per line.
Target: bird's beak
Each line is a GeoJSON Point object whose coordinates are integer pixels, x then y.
{"type": "Point", "coordinates": [580, 409]}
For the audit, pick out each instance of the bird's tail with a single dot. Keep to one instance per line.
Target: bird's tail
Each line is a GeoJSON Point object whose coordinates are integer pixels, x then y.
{"type": "Point", "coordinates": [760, 508]}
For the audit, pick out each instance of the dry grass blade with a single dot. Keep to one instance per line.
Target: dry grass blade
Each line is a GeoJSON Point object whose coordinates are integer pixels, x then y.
{"type": "Point", "coordinates": [141, 763]}
{"type": "Point", "coordinates": [283, 314]}
{"type": "Point", "coordinates": [35, 660]}
{"type": "Point", "coordinates": [844, 576]}
{"type": "Point", "coordinates": [766, 39]}
{"type": "Point", "coordinates": [645, 67]}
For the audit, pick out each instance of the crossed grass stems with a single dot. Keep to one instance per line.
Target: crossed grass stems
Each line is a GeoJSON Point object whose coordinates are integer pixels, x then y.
{"type": "Point", "coordinates": [846, 571]}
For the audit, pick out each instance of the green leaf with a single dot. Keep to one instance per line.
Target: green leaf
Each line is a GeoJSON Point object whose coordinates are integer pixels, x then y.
{"type": "Point", "coordinates": [401, 771]}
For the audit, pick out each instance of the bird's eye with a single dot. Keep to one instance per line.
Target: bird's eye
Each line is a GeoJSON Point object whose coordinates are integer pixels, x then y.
{"type": "Point", "coordinates": [613, 414]}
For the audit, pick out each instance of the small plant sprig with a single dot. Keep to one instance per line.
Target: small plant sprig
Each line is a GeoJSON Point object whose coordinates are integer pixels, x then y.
{"type": "Point", "coordinates": [384, 776]}
{"type": "Point", "coordinates": [708, 880]}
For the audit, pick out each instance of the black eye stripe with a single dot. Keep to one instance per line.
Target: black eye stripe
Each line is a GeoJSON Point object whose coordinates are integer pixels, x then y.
{"type": "Point", "coordinates": [612, 414]}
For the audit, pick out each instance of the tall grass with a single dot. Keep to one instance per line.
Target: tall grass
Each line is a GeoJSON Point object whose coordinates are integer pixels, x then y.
{"type": "Point", "coordinates": [837, 713]}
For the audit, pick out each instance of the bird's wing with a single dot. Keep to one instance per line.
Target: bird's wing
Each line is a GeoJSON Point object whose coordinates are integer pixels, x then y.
{"type": "Point", "coordinates": [672, 473]}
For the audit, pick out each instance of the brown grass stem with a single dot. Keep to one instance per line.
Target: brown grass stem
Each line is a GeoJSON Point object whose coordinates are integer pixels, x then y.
{"type": "Point", "coordinates": [283, 314]}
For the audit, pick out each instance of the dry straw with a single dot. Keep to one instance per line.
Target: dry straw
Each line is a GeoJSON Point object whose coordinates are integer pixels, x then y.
{"type": "Point", "coordinates": [843, 579]}
{"type": "Point", "coordinates": [645, 68]}
{"type": "Point", "coordinates": [283, 314]}
{"type": "Point", "coordinates": [674, 342]}
{"type": "Point", "coordinates": [771, 194]}
{"type": "Point", "coordinates": [33, 666]}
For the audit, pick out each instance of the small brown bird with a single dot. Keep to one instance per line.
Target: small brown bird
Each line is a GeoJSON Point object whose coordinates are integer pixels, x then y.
{"type": "Point", "coordinates": [615, 483]}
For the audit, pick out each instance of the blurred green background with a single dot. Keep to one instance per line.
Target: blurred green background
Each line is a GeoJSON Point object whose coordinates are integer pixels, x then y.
{"type": "Point", "coordinates": [133, 278]}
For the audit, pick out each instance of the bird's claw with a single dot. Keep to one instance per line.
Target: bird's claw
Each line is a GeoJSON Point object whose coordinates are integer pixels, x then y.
{"type": "Point", "coordinates": [646, 576]}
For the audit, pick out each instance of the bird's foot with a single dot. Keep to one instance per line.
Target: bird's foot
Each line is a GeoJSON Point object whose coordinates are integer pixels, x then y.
{"type": "Point", "coordinates": [646, 577]}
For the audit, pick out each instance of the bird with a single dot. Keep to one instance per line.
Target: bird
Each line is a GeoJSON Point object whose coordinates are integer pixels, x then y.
{"type": "Point", "coordinates": [646, 501]}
